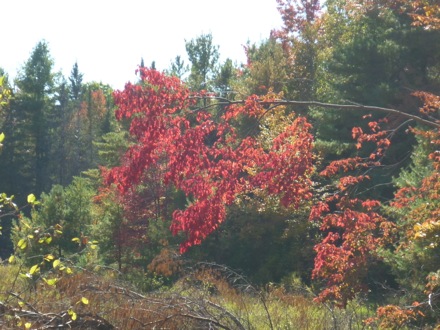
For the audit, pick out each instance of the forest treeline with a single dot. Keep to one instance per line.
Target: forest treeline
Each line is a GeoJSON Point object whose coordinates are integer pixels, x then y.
{"type": "Point", "coordinates": [314, 165]}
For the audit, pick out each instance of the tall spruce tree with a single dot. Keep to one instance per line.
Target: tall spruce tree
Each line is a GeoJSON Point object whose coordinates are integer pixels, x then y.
{"type": "Point", "coordinates": [29, 124]}
{"type": "Point", "coordinates": [75, 83]}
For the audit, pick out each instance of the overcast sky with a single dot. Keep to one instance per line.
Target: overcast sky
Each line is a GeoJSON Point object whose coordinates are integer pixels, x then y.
{"type": "Point", "coordinates": [109, 38]}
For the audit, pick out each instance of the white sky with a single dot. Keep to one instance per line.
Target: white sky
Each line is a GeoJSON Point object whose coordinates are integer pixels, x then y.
{"type": "Point", "coordinates": [108, 38]}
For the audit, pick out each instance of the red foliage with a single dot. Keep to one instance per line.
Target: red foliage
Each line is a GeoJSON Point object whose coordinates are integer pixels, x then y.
{"type": "Point", "coordinates": [296, 15]}
{"type": "Point", "coordinates": [393, 317]}
{"type": "Point", "coordinates": [204, 158]}
{"type": "Point", "coordinates": [431, 102]}
{"type": "Point", "coordinates": [355, 230]}
{"type": "Point", "coordinates": [377, 135]}
{"type": "Point", "coordinates": [354, 227]}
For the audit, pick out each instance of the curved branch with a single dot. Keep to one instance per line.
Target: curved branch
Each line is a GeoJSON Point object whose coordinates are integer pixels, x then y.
{"type": "Point", "coordinates": [361, 107]}
{"type": "Point", "coordinates": [433, 124]}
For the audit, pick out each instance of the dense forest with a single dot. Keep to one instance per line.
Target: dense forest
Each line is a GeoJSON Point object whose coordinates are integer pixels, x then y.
{"type": "Point", "coordinates": [299, 190]}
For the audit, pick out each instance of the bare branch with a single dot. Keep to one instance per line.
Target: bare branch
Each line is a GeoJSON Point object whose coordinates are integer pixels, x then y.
{"type": "Point", "coordinates": [354, 106]}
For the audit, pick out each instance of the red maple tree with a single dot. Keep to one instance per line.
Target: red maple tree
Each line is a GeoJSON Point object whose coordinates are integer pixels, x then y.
{"type": "Point", "coordinates": [203, 157]}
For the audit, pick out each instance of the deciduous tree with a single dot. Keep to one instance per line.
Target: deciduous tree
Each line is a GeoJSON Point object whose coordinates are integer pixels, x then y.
{"type": "Point", "coordinates": [204, 159]}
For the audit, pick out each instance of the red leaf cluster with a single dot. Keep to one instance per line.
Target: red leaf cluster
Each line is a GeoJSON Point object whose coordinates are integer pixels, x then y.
{"type": "Point", "coordinates": [354, 228]}
{"type": "Point", "coordinates": [203, 157]}
{"type": "Point", "coordinates": [354, 231]}
{"type": "Point", "coordinates": [378, 136]}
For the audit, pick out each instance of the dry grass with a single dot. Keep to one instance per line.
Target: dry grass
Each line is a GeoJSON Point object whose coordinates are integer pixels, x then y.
{"type": "Point", "coordinates": [209, 297]}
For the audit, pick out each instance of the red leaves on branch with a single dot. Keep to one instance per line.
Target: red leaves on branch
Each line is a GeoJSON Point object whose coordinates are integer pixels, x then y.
{"type": "Point", "coordinates": [353, 226]}
{"type": "Point", "coordinates": [377, 136]}
{"type": "Point", "coordinates": [431, 102]}
{"type": "Point", "coordinates": [203, 157]}
{"type": "Point", "coordinates": [355, 230]}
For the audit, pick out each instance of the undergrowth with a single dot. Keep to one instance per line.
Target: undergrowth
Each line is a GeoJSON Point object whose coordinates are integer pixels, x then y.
{"type": "Point", "coordinates": [206, 297]}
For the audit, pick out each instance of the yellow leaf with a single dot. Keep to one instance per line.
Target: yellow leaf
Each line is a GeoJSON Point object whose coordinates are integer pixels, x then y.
{"type": "Point", "coordinates": [72, 314]}
{"type": "Point", "coordinates": [34, 269]}
{"type": "Point", "coordinates": [56, 263]}
{"type": "Point", "coordinates": [51, 281]}
{"type": "Point", "coordinates": [27, 325]}
{"type": "Point", "coordinates": [68, 271]}
{"type": "Point", "coordinates": [48, 240]}
{"type": "Point", "coordinates": [49, 257]}
{"type": "Point", "coordinates": [85, 301]}
{"type": "Point", "coordinates": [93, 246]}
{"type": "Point", "coordinates": [76, 239]}
{"type": "Point", "coordinates": [22, 244]}
{"type": "Point", "coordinates": [11, 259]}
{"type": "Point", "coordinates": [31, 199]}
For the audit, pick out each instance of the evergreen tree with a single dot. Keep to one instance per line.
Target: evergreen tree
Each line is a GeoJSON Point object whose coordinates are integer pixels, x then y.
{"type": "Point", "coordinates": [267, 68]}
{"type": "Point", "coordinates": [29, 125]}
{"type": "Point", "coordinates": [203, 55]}
{"type": "Point", "coordinates": [369, 55]}
{"type": "Point", "coordinates": [61, 129]}
{"type": "Point", "coordinates": [178, 67]}
{"type": "Point", "coordinates": [224, 79]}
{"type": "Point", "coordinates": [75, 83]}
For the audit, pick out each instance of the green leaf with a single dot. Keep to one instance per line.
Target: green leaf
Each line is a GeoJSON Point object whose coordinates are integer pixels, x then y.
{"type": "Point", "coordinates": [48, 240]}
{"type": "Point", "coordinates": [31, 199]}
